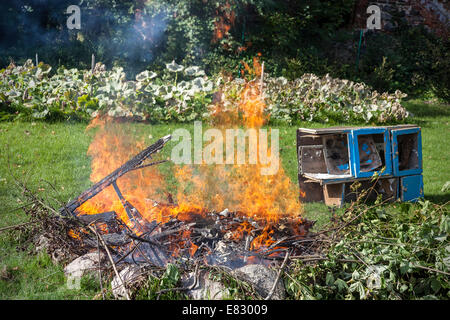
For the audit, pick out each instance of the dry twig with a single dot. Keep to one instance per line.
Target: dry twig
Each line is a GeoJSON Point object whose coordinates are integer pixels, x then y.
{"type": "Point", "coordinates": [100, 268]}
{"type": "Point", "coordinates": [271, 292]}
{"type": "Point", "coordinates": [17, 226]}
{"type": "Point", "coordinates": [111, 260]}
{"type": "Point", "coordinates": [181, 288]}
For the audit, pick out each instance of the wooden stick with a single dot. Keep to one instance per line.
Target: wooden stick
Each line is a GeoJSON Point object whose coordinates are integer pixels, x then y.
{"type": "Point", "coordinates": [111, 260]}
{"type": "Point", "coordinates": [431, 269]}
{"type": "Point", "coordinates": [100, 268]}
{"type": "Point", "coordinates": [248, 241]}
{"type": "Point", "coordinates": [92, 63]}
{"type": "Point", "coordinates": [21, 207]}
{"type": "Point", "coordinates": [154, 243]}
{"type": "Point", "coordinates": [286, 257]}
{"type": "Point", "coordinates": [318, 258]}
{"type": "Point", "coordinates": [168, 232]}
{"type": "Point", "coordinates": [16, 226]}
{"type": "Point", "coordinates": [191, 287]}
{"type": "Point", "coordinates": [262, 80]}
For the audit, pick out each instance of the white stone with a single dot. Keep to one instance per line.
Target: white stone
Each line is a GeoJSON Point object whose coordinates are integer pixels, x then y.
{"type": "Point", "coordinates": [129, 275]}
{"type": "Point", "coordinates": [43, 243]}
{"type": "Point", "coordinates": [85, 264]}
{"type": "Point", "coordinates": [224, 213]}
{"type": "Point", "coordinates": [205, 289]}
{"type": "Point", "coordinates": [262, 278]}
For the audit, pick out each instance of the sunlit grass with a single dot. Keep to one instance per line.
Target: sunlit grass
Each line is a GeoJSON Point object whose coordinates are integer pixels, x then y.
{"type": "Point", "coordinates": [52, 159]}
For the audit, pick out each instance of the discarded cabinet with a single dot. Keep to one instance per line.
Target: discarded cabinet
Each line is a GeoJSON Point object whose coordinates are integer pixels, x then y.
{"type": "Point", "coordinates": [411, 188]}
{"type": "Point", "coordinates": [407, 151]}
{"type": "Point", "coordinates": [331, 159]}
{"type": "Point", "coordinates": [334, 194]}
{"type": "Point", "coordinates": [372, 151]}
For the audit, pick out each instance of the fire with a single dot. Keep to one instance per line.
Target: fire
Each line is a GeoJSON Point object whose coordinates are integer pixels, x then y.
{"type": "Point", "coordinates": [264, 240]}
{"type": "Point", "coordinates": [201, 188]}
{"type": "Point", "coordinates": [112, 146]}
{"type": "Point", "coordinates": [74, 235]}
{"type": "Point", "coordinates": [193, 249]}
{"type": "Point", "coordinates": [242, 187]}
{"type": "Point", "coordinates": [242, 231]}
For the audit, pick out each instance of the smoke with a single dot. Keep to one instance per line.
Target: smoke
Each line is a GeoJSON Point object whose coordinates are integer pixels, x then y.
{"type": "Point", "coordinates": [23, 24]}
{"type": "Point", "coordinates": [131, 35]}
{"type": "Point", "coordinates": [143, 38]}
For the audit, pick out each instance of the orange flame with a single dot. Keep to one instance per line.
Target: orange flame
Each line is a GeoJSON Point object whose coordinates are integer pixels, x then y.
{"type": "Point", "coordinates": [74, 234]}
{"type": "Point", "coordinates": [241, 188]}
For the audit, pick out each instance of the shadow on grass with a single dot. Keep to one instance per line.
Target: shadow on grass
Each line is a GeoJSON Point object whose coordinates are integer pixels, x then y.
{"type": "Point", "coordinates": [438, 198]}
{"type": "Point", "coordinates": [425, 109]}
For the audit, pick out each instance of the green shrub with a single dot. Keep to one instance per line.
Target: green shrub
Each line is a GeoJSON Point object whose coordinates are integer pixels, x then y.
{"type": "Point", "coordinates": [183, 94]}
{"type": "Point", "coordinates": [411, 59]}
{"type": "Point", "coordinates": [386, 253]}
{"type": "Point", "coordinates": [328, 99]}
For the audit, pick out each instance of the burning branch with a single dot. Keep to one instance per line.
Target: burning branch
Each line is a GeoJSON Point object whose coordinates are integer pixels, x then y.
{"type": "Point", "coordinates": [133, 164]}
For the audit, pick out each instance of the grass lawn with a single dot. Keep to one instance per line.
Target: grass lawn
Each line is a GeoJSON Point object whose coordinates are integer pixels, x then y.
{"type": "Point", "coordinates": [55, 154]}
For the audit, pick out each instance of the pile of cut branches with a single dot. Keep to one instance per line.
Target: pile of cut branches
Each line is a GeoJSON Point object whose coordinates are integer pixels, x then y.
{"type": "Point", "coordinates": [372, 251]}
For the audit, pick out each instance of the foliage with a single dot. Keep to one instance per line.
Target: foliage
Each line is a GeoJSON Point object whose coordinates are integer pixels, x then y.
{"type": "Point", "coordinates": [306, 61]}
{"type": "Point", "coordinates": [386, 254]}
{"type": "Point", "coordinates": [139, 33]}
{"type": "Point", "coordinates": [411, 59]}
{"type": "Point", "coordinates": [29, 92]}
{"type": "Point", "coordinates": [294, 37]}
{"type": "Point", "coordinates": [162, 286]}
{"type": "Point", "coordinates": [327, 99]}
{"type": "Point", "coordinates": [183, 94]}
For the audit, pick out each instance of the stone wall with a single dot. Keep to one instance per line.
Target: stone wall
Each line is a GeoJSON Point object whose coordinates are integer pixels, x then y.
{"type": "Point", "coordinates": [433, 14]}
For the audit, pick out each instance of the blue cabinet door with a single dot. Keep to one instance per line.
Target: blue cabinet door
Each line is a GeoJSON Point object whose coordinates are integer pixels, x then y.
{"type": "Point", "coordinates": [362, 156]}
{"type": "Point", "coordinates": [411, 188]}
{"type": "Point", "coordinates": [406, 151]}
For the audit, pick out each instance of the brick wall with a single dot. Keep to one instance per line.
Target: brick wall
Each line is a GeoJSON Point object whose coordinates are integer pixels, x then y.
{"type": "Point", "coordinates": [433, 14]}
